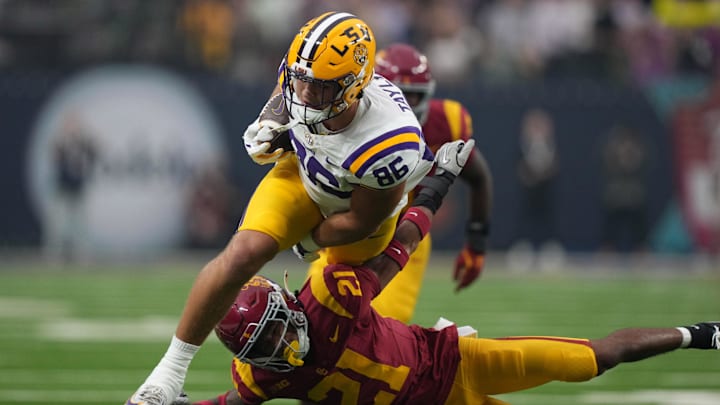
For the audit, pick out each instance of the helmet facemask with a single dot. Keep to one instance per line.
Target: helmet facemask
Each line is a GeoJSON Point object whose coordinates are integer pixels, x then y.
{"type": "Point", "coordinates": [330, 102]}
{"type": "Point", "coordinates": [270, 341]}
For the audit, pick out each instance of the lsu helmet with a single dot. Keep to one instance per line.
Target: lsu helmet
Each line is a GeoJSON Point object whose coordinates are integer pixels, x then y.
{"type": "Point", "coordinates": [335, 51]}
{"type": "Point", "coordinates": [266, 327]}
{"type": "Point", "coordinates": [408, 68]}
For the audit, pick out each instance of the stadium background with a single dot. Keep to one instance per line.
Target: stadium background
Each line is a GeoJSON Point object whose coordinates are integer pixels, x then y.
{"type": "Point", "coordinates": [122, 168]}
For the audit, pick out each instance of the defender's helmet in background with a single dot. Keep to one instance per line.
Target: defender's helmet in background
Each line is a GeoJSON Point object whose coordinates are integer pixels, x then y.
{"type": "Point", "coordinates": [335, 51]}
{"type": "Point", "coordinates": [406, 67]}
{"type": "Point", "coordinates": [265, 327]}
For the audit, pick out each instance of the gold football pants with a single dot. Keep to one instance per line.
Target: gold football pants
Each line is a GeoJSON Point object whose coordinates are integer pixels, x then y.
{"type": "Point", "coordinates": [281, 208]}
{"type": "Point", "coordinates": [499, 366]}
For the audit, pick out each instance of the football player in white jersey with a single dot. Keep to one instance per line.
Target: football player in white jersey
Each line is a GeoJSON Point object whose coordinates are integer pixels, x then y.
{"type": "Point", "coordinates": [356, 151]}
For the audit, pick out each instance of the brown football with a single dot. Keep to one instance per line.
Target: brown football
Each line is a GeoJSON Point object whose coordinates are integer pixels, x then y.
{"type": "Point", "coordinates": [275, 110]}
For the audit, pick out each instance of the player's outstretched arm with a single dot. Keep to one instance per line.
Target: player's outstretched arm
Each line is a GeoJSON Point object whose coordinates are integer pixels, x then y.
{"type": "Point", "coordinates": [470, 261]}
{"type": "Point", "coordinates": [449, 160]}
{"type": "Point", "coordinates": [635, 344]}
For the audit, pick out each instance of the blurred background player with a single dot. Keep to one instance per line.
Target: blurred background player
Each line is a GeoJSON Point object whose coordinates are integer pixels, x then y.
{"type": "Point", "coordinates": [357, 151]}
{"type": "Point", "coordinates": [442, 121]}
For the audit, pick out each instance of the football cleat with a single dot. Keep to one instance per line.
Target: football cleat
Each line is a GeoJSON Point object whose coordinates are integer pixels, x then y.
{"type": "Point", "coordinates": [182, 399]}
{"type": "Point", "coordinates": [148, 395]}
{"type": "Point", "coordinates": [715, 339]}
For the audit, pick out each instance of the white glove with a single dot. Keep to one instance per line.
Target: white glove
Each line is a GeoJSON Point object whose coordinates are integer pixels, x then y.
{"type": "Point", "coordinates": [257, 138]}
{"type": "Point", "coordinates": [452, 156]}
{"type": "Point", "coordinates": [307, 249]}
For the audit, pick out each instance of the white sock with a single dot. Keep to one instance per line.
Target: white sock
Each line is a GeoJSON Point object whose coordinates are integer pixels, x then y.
{"type": "Point", "coordinates": [170, 372]}
{"type": "Point", "coordinates": [687, 337]}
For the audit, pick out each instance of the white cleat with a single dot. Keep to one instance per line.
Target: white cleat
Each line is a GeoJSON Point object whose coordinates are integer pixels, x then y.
{"type": "Point", "coordinates": [148, 395]}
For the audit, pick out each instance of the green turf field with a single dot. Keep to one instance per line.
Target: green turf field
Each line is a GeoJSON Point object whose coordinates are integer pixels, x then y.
{"type": "Point", "coordinates": [90, 335]}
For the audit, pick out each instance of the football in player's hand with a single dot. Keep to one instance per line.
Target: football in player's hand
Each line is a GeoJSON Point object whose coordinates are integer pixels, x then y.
{"type": "Point", "coordinates": [276, 112]}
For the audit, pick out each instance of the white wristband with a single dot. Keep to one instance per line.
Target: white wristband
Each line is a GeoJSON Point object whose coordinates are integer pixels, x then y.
{"type": "Point", "coordinates": [182, 348]}
{"type": "Point", "coordinates": [309, 244]}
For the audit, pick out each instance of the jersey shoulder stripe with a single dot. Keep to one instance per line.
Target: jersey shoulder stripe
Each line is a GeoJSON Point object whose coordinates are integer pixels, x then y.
{"type": "Point", "coordinates": [367, 154]}
{"type": "Point", "coordinates": [457, 119]}
{"type": "Point", "coordinates": [244, 372]}
{"type": "Point", "coordinates": [322, 294]}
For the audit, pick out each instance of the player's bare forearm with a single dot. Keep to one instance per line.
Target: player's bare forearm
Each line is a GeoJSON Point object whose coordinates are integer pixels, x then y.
{"type": "Point", "coordinates": [476, 175]}
{"type": "Point", "coordinates": [368, 209]}
{"type": "Point", "coordinates": [343, 228]}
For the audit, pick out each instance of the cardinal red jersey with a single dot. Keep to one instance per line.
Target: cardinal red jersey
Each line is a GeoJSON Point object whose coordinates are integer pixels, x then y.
{"type": "Point", "coordinates": [447, 121]}
{"type": "Point", "coordinates": [357, 356]}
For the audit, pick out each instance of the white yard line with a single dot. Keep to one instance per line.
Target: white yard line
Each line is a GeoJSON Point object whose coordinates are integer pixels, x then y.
{"type": "Point", "coordinates": [655, 397]}
{"type": "Point", "coordinates": [22, 308]}
{"type": "Point", "coordinates": [146, 329]}
{"type": "Point", "coordinates": [102, 377]}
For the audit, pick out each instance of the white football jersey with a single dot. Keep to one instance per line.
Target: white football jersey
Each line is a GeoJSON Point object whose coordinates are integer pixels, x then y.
{"type": "Point", "coordinates": [382, 147]}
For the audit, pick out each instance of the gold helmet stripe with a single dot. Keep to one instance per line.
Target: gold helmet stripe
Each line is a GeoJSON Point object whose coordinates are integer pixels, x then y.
{"type": "Point", "coordinates": [315, 35]}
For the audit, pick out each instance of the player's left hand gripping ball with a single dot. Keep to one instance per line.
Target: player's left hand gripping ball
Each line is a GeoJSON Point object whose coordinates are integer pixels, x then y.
{"type": "Point", "coordinates": [267, 139]}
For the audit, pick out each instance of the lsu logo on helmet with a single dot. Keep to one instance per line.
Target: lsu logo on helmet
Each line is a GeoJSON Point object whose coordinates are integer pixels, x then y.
{"type": "Point", "coordinates": [335, 50]}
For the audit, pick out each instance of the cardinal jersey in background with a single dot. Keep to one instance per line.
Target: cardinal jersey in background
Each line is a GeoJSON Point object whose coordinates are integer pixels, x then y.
{"type": "Point", "coordinates": [447, 121]}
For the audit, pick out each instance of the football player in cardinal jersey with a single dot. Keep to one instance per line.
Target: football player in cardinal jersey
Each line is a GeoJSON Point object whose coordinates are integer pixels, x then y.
{"type": "Point", "coordinates": [442, 121]}
{"type": "Point", "coordinates": [358, 151]}
{"type": "Point", "coordinates": [328, 345]}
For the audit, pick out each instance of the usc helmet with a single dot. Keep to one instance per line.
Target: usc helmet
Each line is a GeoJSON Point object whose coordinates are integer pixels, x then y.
{"type": "Point", "coordinates": [265, 327]}
{"type": "Point", "coordinates": [335, 51]}
{"type": "Point", "coordinates": [406, 67]}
